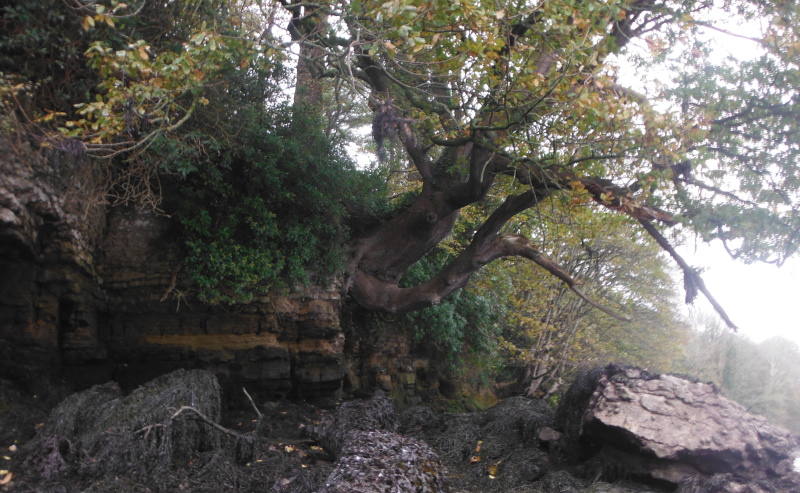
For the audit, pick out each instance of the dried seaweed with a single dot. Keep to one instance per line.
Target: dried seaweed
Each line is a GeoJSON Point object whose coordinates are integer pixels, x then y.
{"type": "Point", "coordinates": [169, 424]}
{"type": "Point", "coordinates": [19, 413]}
{"type": "Point", "coordinates": [385, 462]}
{"type": "Point", "coordinates": [492, 450]}
{"type": "Point", "coordinates": [376, 413]}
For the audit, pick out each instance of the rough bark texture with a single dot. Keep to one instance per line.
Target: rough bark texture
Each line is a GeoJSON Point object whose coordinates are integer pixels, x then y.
{"type": "Point", "coordinates": [670, 428]}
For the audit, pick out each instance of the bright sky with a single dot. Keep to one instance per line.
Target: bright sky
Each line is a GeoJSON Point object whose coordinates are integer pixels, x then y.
{"type": "Point", "coordinates": [761, 299]}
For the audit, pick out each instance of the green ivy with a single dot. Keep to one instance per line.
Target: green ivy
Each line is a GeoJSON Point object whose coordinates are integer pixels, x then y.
{"type": "Point", "coordinates": [270, 211]}
{"type": "Point", "coordinates": [462, 325]}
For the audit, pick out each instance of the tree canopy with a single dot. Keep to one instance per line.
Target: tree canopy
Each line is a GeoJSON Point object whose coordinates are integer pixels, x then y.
{"type": "Point", "coordinates": [503, 107]}
{"type": "Point", "coordinates": [522, 101]}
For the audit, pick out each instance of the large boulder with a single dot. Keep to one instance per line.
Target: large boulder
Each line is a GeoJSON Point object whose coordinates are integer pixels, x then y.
{"type": "Point", "coordinates": [669, 428]}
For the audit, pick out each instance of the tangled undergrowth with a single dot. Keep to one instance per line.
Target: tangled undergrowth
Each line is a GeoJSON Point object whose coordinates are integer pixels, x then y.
{"type": "Point", "coordinates": [166, 436]}
{"type": "Point", "coordinates": [171, 435]}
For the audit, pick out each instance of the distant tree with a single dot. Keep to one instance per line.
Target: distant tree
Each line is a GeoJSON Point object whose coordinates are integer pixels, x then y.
{"type": "Point", "coordinates": [549, 333]}
{"type": "Point", "coordinates": [763, 377]}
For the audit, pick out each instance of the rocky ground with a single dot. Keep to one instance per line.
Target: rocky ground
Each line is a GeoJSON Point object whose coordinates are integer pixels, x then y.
{"type": "Point", "coordinates": [172, 435]}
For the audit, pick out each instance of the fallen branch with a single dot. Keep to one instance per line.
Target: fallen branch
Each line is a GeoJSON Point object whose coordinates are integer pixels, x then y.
{"type": "Point", "coordinates": [202, 417]}
{"type": "Point", "coordinates": [253, 403]}
{"type": "Point", "coordinates": [205, 419]}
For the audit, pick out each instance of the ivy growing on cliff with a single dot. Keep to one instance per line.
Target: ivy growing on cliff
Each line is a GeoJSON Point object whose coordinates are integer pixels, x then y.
{"type": "Point", "coordinates": [272, 209]}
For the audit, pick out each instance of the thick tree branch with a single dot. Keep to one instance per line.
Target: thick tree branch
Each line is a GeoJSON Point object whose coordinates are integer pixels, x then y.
{"type": "Point", "coordinates": [486, 246]}
{"type": "Point", "coordinates": [618, 199]}
{"type": "Point", "coordinates": [692, 281]}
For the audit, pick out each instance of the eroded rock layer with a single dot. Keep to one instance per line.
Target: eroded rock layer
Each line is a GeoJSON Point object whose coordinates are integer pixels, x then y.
{"type": "Point", "coordinates": [91, 294]}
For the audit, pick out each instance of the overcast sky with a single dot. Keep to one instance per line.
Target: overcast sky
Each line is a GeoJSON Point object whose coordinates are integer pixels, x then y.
{"type": "Point", "coordinates": [762, 299]}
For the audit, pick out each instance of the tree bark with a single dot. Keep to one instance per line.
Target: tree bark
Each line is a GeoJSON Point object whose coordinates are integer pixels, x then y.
{"type": "Point", "coordinates": [307, 26]}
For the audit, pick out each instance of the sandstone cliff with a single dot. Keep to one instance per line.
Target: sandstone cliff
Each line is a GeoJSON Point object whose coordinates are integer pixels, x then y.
{"type": "Point", "coordinates": [92, 293]}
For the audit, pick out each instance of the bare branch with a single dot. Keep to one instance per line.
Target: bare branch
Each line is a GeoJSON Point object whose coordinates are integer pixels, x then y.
{"type": "Point", "coordinates": [691, 278]}
{"type": "Point", "coordinates": [522, 247]}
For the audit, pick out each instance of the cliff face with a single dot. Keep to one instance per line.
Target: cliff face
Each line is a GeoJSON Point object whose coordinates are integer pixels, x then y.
{"type": "Point", "coordinates": [277, 344]}
{"type": "Point", "coordinates": [90, 294]}
{"type": "Point", "coordinates": [50, 293]}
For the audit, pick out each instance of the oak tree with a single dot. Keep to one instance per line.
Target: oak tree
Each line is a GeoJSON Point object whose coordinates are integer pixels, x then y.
{"type": "Point", "coordinates": [498, 105]}
{"type": "Point", "coordinates": [517, 102]}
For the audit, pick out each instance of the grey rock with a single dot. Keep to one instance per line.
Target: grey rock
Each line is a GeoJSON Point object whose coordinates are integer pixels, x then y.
{"type": "Point", "coordinates": [669, 427]}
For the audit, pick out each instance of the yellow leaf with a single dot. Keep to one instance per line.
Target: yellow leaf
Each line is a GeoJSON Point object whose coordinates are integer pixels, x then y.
{"type": "Point", "coordinates": [88, 23]}
{"type": "Point", "coordinates": [143, 53]}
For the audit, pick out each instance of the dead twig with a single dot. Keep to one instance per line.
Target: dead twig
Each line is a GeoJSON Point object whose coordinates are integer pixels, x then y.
{"type": "Point", "coordinates": [253, 403]}
{"type": "Point", "coordinates": [199, 415]}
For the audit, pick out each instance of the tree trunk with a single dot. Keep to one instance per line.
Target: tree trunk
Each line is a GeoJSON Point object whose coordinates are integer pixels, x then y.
{"type": "Point", "coordinates": [307, 26]}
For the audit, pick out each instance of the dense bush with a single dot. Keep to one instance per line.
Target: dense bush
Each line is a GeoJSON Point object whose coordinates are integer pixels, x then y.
{"type": "Point", "coordinates": [462, 325]}
{"type": "Point", "coordinates": [271, 210]}
{"type": "Point", "coordinates": [263, 199]}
